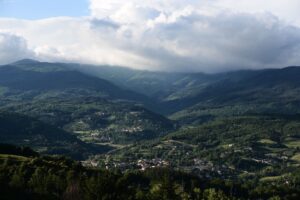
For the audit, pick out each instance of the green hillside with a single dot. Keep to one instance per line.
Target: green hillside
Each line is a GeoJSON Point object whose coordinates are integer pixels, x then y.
{"type": "Point", "coordinates": [51, 178]}
{"type": "Point", "coordinates": [23, 130]}
{"type": "Point", "coordinates": [95, 119]}
{"type": "Point", "coordinates": [230, 135]}
{"type": "Point", "coordinates": [259, 92]}
{"type": "Point", "coordinates": [36, 78]}
{"type": "Point", "coordinates": [237, 92]}
{"type": "Point", "coordinates": [91, 108]}
{"type": "Point", "coordinates": [259, 146]}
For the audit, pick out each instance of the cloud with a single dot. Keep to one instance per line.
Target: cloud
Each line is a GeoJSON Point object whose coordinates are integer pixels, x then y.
{"type": "Point", "coordinates": [169, 35]}
{"type": "Point", "coordinates": [287, 10]}
{"type": "Point", "coordinates": [207, 36]}
{"type": "Point", "coordinates": [13, 48]}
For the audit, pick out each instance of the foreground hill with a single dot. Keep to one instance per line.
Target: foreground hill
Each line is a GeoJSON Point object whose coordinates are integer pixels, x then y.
{"type": "Point", "coordinates": [35, 177]}
{"type": "Point", "coordinates": [22, 130]}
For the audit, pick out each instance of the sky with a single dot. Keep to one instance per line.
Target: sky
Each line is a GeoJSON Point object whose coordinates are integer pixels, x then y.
{"type": "Point", "coordinates": [38, 9]}
{"type": "Point", "coordinates": [161, 35]}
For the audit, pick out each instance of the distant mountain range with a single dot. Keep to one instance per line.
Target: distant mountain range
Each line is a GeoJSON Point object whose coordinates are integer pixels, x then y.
{"type": "Point", "coordinates": [115, 105]}
{"type": "Point", "coordinates": [89, 107]}
{"type": "Point", "coordinates": [268, 89]}
{"type": "Point", "coordinates": [172, 94]}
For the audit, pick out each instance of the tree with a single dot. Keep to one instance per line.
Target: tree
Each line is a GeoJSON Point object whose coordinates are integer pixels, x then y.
{"type": "Point", "coordinates": [213, 194]}
{"type": "Point", "coordinates": [38, 181]}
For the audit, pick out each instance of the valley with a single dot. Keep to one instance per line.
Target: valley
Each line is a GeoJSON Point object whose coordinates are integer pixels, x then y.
{"type": "Point", "coordinates": [236, 126]}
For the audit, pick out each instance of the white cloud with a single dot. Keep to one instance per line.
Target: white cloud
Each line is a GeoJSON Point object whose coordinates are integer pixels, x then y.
{"type": "Point", "coordinates": [287, 10]}
{"type": "Point", "coordinates": [13, 48]}
{"type": "Point", "coordinates": [175, 35]}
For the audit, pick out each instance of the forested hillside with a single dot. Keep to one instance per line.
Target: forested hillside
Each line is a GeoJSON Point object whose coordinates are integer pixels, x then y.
{"type": "Point", "coordinates": [148, 135]}
{"type": "Point", "coordinates": [93, 109]}
{"type": "Point", "coordinates": [35, 177]}
{"type": "Point", "coordinates": [23, 130]}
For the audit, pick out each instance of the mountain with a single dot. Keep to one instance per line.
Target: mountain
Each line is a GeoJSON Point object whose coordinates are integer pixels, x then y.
{"type": "Point", "coordinates": [36, 78]}
{"type": "Point", "coordinates": [22, 130]}
{"type": "Point", "coordinates": [268, 89]}
{"type": "Point", "coordinates": [161, 86]}
{"type": "Point", "coordinates": [274, 91]}
{"type": "Point", "coordinates": [191, 98]}
{"type": "Point", "coordinates": [235, 133]}
{"type": "Point", "coordinates": [92, 108]}
{"type": "Point", "coordinates": [187, 97]}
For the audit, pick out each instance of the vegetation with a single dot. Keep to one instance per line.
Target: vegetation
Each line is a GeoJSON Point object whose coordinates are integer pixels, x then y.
{"type": "Point", "coordinates": [232, 135]}
{"type": "Point", "coordinates": [94, 109]}
{"type": "Point", "coordinates": [97, 120]}
{"type": "Point", "coordinates": [248, 147]}
{"type": "Point", "coordinates": [61, 178]}
{"type": "Point", "coordinates": [22, 130]}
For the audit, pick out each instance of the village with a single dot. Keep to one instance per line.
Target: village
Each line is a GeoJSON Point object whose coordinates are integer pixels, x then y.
{"type": "Point", "coordinates": [201, 168]}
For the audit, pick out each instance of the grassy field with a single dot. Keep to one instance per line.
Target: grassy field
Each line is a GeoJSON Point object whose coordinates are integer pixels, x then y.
{"type": "Point", "coordinates": [296, 157]}
{"type": "Point", "coordinates": [270, 178]}
{"type": "Point", "coordinates": [293, 144]}
{"type": "Point", "coordinates": [13, 157]}
{"type": "Point", "coordinates": [266, 141]}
